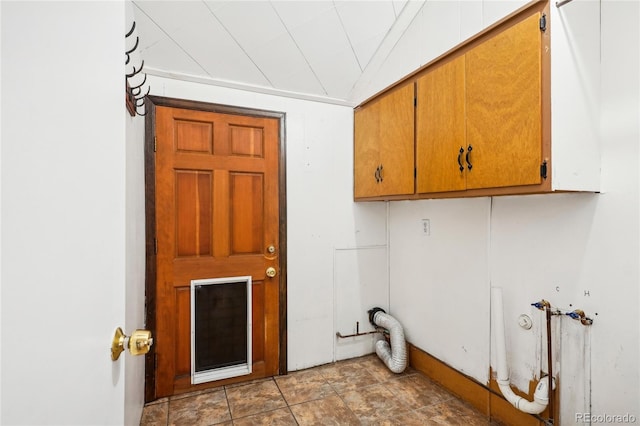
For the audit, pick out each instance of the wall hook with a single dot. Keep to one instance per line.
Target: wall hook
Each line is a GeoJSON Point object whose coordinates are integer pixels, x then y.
{"type": "Point", "coordinates": [133, 91]}
{"type": "Point", "coordinates": [128, 52]}
{"type": "Point", "coordinates": [144, 80]}
{"type": "Point", "coordinates": [133, 27]}
{"type": "Point", "coordinates": [136, 71]}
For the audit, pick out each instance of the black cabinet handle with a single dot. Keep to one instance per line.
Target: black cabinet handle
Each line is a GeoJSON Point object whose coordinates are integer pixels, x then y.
{"type": "Point", "coordinates": [460, 159]}
{"type": "Point", "coordinates": [378, 174]}
{"type": "Point", "coordinates": [469, 165]}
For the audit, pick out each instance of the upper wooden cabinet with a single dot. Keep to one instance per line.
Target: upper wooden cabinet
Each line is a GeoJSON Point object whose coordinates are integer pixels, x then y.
{"type": "Point", "coordinates": [479, 115]}
{"type": "Point", "coordinates": [384, 144]}
{"type": "Point", "coordinates": [504, 107]}
{"type": "Point", "coordinates": [441, 144]}
{"type": "Point", "coordinates": [483, 116]}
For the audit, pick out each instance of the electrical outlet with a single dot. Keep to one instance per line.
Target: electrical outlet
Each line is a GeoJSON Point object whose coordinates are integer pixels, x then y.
{"type": "Point", "coordinates": [425, 226]}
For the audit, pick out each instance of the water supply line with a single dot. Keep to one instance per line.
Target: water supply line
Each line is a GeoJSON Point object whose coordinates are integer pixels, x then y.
{"type": "Point", "coordinates": [541, 393]}
{"type": "Point", "coordinates": [394, 355]}
{"type": "Point", "coordinates": [544, 305]}
{"type": "Point", "coordinates": [579, 315]}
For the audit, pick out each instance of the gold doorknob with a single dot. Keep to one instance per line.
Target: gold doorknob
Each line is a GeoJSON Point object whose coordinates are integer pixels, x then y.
{"type": "Point", "coordinates": [139, 343]}
{"type": "Point", "coordinates": [271, 272]}
{"type": "Point", "coordinates": [117, 344]}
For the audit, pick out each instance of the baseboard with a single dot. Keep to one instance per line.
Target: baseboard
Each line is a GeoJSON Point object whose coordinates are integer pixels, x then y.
{"type": "Point", "coordinates": [486, 398]}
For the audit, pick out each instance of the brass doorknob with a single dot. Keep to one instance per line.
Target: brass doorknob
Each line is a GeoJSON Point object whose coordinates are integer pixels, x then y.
{"type": "Point", "coordinates": [139, 343]}
{"type": "Point", "coordinates": [271, 272]}
{"type": "Point", "coordinates": [117, 344]}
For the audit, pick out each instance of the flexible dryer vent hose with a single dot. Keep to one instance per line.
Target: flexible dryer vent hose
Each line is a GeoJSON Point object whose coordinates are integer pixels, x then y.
{"type": "Point", "coordinates": [394, 355]}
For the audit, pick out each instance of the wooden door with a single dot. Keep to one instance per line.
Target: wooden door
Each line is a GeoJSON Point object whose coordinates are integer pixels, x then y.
{"type": "Point", "coordinates": [504, 107]}
{"type": "Point", "coordinates": [441, 145]}
{"type": "Point", "coordinates": [217, 212]}
{"type": "Point", "coordinates": [384, 145]}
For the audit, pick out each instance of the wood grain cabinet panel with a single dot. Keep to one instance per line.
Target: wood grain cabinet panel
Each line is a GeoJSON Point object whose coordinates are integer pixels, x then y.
{"type": "Point", "coordinates": [504, 108]}
{"type": "Point", "coordinates": [440, 129]}
{"type": "Point", "coordinates": [384, 145]}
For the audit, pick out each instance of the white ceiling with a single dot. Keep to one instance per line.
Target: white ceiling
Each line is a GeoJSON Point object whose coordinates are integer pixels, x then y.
{"type": "Point", "coordinates": [308, 49]}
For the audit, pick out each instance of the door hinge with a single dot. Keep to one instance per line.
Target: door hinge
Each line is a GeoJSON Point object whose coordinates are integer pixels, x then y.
{"type": "Point", "coordinates": [543, 23]}
{"type": "Point", "coordinates": [415, 101]}
{"type": "Point", "coordinates": [155, 245]}
{"type": "Point", "coordinates": [543, 169]}
{"type": "Point", "coordinates": [415, 172]}
{"type": "Point", "coordinates": [155, 144]}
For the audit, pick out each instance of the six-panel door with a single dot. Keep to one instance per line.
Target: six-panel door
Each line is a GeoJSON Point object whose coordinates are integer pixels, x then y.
{"type": "Point", "coordinates": [216, 216]}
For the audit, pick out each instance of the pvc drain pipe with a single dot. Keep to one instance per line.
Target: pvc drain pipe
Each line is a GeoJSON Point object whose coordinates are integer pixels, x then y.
{"type": "Point", "coordinates": [394, 355]}
{"type": "Point", "coordinates": [541, 394]}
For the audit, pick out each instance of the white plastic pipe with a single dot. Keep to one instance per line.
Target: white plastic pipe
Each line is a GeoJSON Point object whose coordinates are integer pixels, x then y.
{"type": "Point", "coordinates": [541, 394]}
{"type": "Point", "coordinates": [394, 355]}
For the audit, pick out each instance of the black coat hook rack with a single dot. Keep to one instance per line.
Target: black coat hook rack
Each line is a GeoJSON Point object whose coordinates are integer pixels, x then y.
{"type": "Point", "coordinates": [134, 98]}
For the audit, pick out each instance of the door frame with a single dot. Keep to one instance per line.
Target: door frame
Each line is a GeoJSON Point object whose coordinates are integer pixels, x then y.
{"type": "Point", "coordinates": [150, 226]}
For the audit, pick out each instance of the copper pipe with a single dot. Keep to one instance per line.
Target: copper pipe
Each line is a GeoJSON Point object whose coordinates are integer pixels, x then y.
{"type": "Point", "coordinates": [358, 332]}
{"type": "Point", "coordinates": [549, 365]}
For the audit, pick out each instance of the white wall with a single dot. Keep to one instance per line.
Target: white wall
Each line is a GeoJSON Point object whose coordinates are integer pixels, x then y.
{"type": "Point", "coordinates": [439, 282]}
{"type": "Point", "coordinates": [575, 250]}
{"type": "Point", "coordinates": [63, 212]}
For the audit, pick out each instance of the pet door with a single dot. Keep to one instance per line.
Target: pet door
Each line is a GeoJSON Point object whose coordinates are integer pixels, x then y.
{"type": "Point", "coordinates": [220, 328]}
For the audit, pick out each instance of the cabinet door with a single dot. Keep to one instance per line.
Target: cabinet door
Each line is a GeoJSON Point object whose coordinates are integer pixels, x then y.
{"type": "Point", "coordinates": [397, 116]}
{"type": "Point", "coordinates": [366, 151]}
{"type": "Point", "coordinates": [384, 146]}
{"type": "Point", "coordinates": [440, 129]}
{"type": "Point", "coordinates": [504, 111]}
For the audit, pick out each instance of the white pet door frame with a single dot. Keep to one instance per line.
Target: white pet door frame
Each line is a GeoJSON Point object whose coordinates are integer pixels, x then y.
{"type": "Point", "coordinates": [220, 328]}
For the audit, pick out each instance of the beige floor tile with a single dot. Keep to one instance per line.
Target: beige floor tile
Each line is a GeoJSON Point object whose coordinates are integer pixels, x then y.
{"type": "Point", "coordinates": [250, 382]}
{"type": "Point", "coordinates": [374, 403]}
{"type": "Point", "coordinates": [279, 417]}
{"type": "Point", "coordinates": [200, 410]}
{"type": "Point", "coordinates": [254, 398]}
{"type": "Point", "coordinates": [441, 414]}
{"type": "Point", "coordinates": [155, 414]}
{"type": "Point", "coordinates": [327, 411]}
{"type": "Point", "coordinates": [409, 418]}
{"type": "Point", "coordinates": [303, 386]}
{"type": "Point", "coordinates": [347, 375]}
{"type": "Point", "coordinates": [454, 412]}
{"type": "Point", "coordinates": [379, 370]}
{"type": "Point", "coordinates": [194, 393]}
{"type": "Point", "coordinates": [418, 391]}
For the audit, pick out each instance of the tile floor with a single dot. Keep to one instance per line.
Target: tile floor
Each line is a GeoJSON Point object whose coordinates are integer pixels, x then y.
{"type": "Point", "coordinates": [360, 391]}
